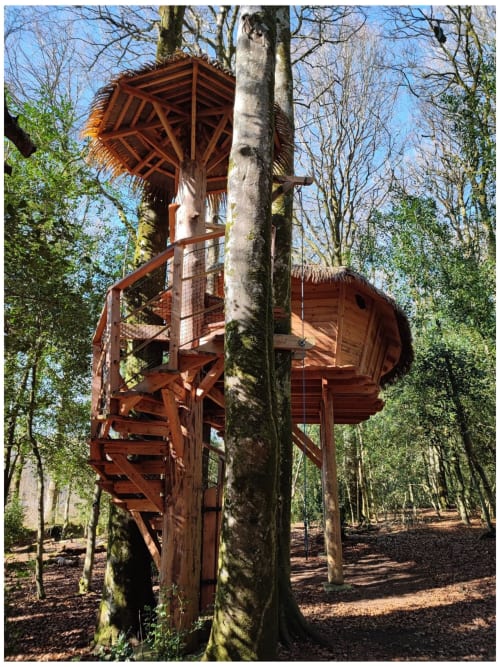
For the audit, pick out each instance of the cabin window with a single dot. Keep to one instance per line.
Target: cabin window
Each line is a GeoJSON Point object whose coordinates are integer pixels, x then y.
{"type": "Point", "coordinates": [360, 301]}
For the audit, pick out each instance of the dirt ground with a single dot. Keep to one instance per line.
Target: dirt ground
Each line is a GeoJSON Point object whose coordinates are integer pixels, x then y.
{"type": "Point", "coordinates": [425, 592]}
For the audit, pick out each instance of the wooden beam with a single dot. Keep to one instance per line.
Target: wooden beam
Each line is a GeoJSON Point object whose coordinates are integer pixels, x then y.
{"type": "Point", "coordinates": [113, 356]}
{"type": "Point", "coordinates": [149, 536]}
{"type": "Point", "coordinates": [333, 536]}
{"type": "Point", "coordinates": [193, 360]}
{"type": "Point", "coordinates": [175, 332]}
{"type": "Point", "coordinates": [139, 504]}
{"type": "Point", "coordinates": [137, 92]}
{"type": "Point", "coordinates": [142, 484]}
{"type": "Point", "coordinates": [217, 396]}
{"type": "Point", "coordinates": [210, 379]}
{"type": "Point", "coordinates": [126, 131]}
{"type": "Point", "coordinates": [194, 103]}
{"type": "Point", "coordinates": [153, 143]}
{"type": "Point", "coordinates": [305, 443]}
{"type": "Point", "coordinates": [127, 487]}
{"type": "Point", "coordinates": [169, 130]}
{"type": "Point", "coordinates": [147, 467]}
{"type": "Point", "coordinates": [176, 434]}
{"type": "Point", "coordinates": [215, 137]}
{"type": "Point", "coordinates": [292, 342]}
{"type": "Point", "coordinates": [142, 403]}
{"type": "Point", "coordinates": [156, 378]}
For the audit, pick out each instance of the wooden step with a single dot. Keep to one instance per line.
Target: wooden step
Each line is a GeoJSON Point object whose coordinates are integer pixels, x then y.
{"type": "Point", "coordinates": [147, 447]}
{"type": "Point", "coordinates": [154, 466]}
{"type": "Point", "coordinates": [155, 379]}
{"type": "Point", "coordinates": [137, 504]}
{"type": "Point", "coordinates": [139, 401]}
{"type": "Point", "coordinates": [129, 426]}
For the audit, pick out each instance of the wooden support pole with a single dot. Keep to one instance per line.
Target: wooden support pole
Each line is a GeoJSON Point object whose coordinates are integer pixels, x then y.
{"type": "Point", "coordinates": [190, 222]}
{"type": "Point", "coordinates": [148, 535]}
{"type": "Point", "coordinates": [113, 354]}
{"type": "Point", "coordinates": [182, 521]}
{"type": "Point", "coordinates": [175, 325]}
{"type": "Point", "coordinates": [333, 535]}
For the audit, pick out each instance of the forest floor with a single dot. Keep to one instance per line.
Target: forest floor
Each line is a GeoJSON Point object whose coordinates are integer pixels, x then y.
{"type": "Point", "coordinates": [425, 592]}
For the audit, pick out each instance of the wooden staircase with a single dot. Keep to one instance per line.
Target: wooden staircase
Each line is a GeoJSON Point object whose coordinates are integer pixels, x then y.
{"type": "Point", "coordinates": [137, 435]}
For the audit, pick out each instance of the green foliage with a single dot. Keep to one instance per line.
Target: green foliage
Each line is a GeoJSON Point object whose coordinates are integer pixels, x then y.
{"type": "Point", "coordinates": [165, 643]}
{"type": "Point", "coordinates": [53, 288]}
{"type": "Point", "coordinates": [121, 651]}
{"type": "Point", "coordinates": [14, 529]}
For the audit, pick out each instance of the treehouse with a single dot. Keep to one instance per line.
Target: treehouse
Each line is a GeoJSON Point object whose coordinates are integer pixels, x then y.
{"type": "Point", "coordinates": [158, 350]}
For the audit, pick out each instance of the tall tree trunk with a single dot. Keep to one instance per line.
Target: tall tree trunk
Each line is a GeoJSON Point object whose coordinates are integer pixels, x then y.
{"type": "Point", "coordinates": [474, 465]}
{"type": "Point", "coordinates": [460, 491]}
{"type": "Point", "coordinates": [362, 479]}
{"type": "Point", "coordinates": [292, 623]}
{"type": "Point", "coordinates": [245, 625]}
{"type": "Point", "coordinates": [170, 29]}
{"type": "Point", "coordinates": [85, 583]}
{"type": "Point", "coordinates": [9, 458]}
{"type": "Point", "coordinates": [67, 505]}
{"type": "Point", "coordinates": [40, 590]}
{"type": "Point", "coordinates": [127, 589]}
{"type": "Point", "coordinates": [52, 501]}
{"type": "Point", "coordinates": [18, 473]}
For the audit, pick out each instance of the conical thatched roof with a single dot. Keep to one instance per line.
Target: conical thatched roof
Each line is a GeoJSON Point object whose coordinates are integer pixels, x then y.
{"type": "Point", "coordinates": [146, 122]}
{"type": "Point", "coordinates": [324, 274]}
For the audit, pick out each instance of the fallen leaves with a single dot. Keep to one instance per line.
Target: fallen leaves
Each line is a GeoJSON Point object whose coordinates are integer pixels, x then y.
{"type": "Point", "coordinates": [424, 594]}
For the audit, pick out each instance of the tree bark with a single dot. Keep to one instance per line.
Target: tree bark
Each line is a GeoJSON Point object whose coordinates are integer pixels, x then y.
{"type": "Point", "coordinates": [292, 624]}
{"type": "Point", "coordinates": [170, 29]}
{"type": "Point", "coordinates": [245, 625]}
{"type": "Point", "coordinates": [127, 589]}
{"type": "Point", "coordinates": [474, 465]}
{"type": "Point", "coordinates": [21, 139]}
{"type": "Point", "coordinates": [52, 500]}
{"type": "Point", "coordinates": [40, 590]}
{"type": "Point", "coordinates": [85, 583]}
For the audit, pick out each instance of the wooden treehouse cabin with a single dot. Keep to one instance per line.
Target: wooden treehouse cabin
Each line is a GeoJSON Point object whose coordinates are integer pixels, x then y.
{"type": "Point", "coordinates": [157, 423]}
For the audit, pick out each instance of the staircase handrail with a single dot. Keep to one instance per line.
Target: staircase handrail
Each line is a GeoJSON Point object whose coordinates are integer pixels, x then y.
{"type": "Point", "coordinates": [146, 268]}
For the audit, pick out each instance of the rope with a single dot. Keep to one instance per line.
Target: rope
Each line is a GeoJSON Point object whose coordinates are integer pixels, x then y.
{"type": "Point", "coordinates": [304, 457]}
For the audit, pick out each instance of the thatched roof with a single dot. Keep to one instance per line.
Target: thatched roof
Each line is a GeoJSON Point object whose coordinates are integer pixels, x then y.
{"type": "Point", "coordinates": [146, 122]}
{"type": "Point", "coordinates": [325, 274]}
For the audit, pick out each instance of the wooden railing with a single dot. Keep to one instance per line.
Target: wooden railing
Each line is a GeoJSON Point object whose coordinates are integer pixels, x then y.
{"type": "Point", "coordinates": [113, 332]}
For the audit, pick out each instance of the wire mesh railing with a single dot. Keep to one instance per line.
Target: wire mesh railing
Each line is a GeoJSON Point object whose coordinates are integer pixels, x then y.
{"type": "Point", "coordinates": [165, 306]}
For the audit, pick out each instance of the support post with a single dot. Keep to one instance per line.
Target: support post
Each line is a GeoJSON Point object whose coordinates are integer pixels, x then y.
{"type": "Point", "coordinates": [113, 352]}
{"type": "Point", "coordinates": [180, 570]}
{"type": "Point", "coordinates": [190, 221]}
{"type": "Point", "coordinates": [333, 535]}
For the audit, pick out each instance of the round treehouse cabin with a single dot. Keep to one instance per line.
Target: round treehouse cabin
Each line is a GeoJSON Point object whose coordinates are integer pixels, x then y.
{"type": "Point", "coordinates": [158, 350]}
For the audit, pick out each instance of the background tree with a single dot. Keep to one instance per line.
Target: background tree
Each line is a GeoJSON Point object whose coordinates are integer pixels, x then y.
{"type": "Point", "coordinates": [346, 138]}
{"type": "Point", "coordinates": [50, 299]}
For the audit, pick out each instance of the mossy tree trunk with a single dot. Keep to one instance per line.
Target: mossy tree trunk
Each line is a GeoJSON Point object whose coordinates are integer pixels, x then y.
{"type": "Point", "coordinates": [245, 624]}
{"type": "Point", "coordinates": [292, 624]}
{"type": "Point", "coordinates": [127, 589]}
